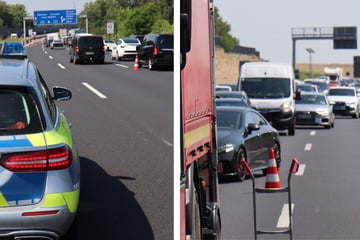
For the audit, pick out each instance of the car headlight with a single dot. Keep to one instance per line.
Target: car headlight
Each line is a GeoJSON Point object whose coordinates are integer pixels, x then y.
{"type": "Point", "coordinates": [322, 112]}
{"type": "Point", "coordinates": [285, 107]}
{"type": "Point", "coordinates": [351, 103]}
{"type": "Point", "coordinates": [226, 148]}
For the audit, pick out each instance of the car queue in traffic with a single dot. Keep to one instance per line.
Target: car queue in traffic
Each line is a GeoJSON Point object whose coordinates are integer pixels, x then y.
{"type": "Point", "coordinates": [244, 133]}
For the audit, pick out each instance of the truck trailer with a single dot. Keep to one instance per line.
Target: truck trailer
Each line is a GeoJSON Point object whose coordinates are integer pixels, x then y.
{"type": "Point", "coordinates": [199, 194]}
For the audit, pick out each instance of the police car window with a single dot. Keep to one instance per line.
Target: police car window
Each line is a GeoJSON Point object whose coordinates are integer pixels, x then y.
{"type": "Point", "coordinates": [51, 107]}
{"type": "Point", "coordinates": [18, 113]}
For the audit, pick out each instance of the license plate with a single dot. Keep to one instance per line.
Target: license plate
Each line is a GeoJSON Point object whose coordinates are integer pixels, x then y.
{"type": "Point", "coordinates": [89, 53]}
{"type": "Point", "coordinates": [304, 116]}
{"type": "Point", "coordinates": [339, 107]}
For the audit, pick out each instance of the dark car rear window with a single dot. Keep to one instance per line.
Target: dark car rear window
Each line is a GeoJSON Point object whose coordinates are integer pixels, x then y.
{"type": "Point", "coordinates": [166, 41]}
{"type": "Point", "coordinates": [91, 41]}
{"type": "Point", "coordinates": [131, 40]}
{"type": "Point", "coordinates": [18, 112]}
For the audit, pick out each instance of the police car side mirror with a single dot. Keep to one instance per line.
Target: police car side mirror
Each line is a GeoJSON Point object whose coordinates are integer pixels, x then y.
{"type": "Point", "coordinates": [62, 94]}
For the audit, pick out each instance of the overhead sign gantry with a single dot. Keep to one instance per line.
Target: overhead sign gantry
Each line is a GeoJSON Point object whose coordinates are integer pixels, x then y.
{"type": "Point", "coordinates": [343, 37]}
{"type": "Point", "coordinates": [55, 17]}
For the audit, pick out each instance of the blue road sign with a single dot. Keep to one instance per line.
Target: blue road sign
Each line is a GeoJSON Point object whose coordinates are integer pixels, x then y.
{"type": "Point", "coordinates": [55, 17]}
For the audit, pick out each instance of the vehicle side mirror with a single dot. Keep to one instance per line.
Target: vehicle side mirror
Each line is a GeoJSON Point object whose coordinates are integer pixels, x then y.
{"type": "Point", "coordinates": [252, 127]}
{"type": "Point", "coordinates": [297, 95]}
{"type": "Point", "coordinates": [61, 94]}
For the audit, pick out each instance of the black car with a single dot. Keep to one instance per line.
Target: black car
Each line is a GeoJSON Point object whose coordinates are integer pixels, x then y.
{"type": "Point", "coordinates": [156, 50]}
{"type": "Point", "coordinates": [243, 133]}
{"type": "Point", "coordinates": [87, 48]}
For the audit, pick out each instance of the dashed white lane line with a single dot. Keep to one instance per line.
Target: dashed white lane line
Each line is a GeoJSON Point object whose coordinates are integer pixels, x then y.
{"type": "Point", "coordinates": [61, 66]}
{"type": "Point", "coordinates": [312, 133]}
{"type": "Point", "coordinates": [308, 147]}
{"type": "Point", "coordinates": [301, 170]}
{"type": "Point", "coordinates": [92, 89]}
{"type": "Point", "coordinates": [167, 142]}
{"type": "Point", "coordinates": [120, 65]}
{"type": "Point", "coordinates": [283, 221]}
{"type": "Point", "coordinates": [51, 57]}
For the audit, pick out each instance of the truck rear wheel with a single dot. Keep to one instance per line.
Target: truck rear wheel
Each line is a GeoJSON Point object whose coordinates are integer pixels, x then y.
{"type": "Point", "coordinates": [195, 221]}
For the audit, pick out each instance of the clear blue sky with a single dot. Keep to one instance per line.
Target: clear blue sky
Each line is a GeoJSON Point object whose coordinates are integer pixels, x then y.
{"type": "Point", "coordinates": [39, 5]}
{"type": "Point", "coordinates": [266, 25]}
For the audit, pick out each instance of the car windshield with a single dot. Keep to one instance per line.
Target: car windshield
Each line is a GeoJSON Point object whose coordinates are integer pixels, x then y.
{"type": "Point", "coordinates": [266, 87]}
{"type": "Point", "coordinates": [166, 41]}
{"type": "Point", "coordinates": [322, 85]}
{"type": "Point", "coordinates": [341, 92]}
{"type": "Point", "coordinates": [18, 114]}
{"type": "Point", "coordinates": [90, 41]}
{"type": "Point", "coordinates": [131, 40]}
{"type": "Point", "coordinates": [229, 119]}
{"type": "Point", "coordinates": [312, 99]}
{"type": "Point", "coordinates": [305, 88]}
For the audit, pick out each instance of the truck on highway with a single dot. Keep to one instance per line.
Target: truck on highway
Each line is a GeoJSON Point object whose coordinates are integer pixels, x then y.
{"type": "Point", "coordinates": [272, 91]}
{"type": "Point", "coordinates": [199, 191]}
{"type": "Point", "coordinates": [334, 73]}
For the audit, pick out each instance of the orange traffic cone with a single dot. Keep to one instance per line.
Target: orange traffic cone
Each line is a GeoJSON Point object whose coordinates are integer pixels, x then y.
{"type": "Point", "coordinates": [272, 176]}
{"type": "Point", "coordinates": [136, 64]}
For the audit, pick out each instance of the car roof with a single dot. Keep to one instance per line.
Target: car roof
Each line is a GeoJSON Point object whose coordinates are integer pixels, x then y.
{"type": "Point", "coordinates": [342, 87]}
{"type": "Point", "coordinates": [313, 93]}
{"type": "Point", "coordinates": [234, 108]}
{"type": "Point", "coordinates": [16, 72]}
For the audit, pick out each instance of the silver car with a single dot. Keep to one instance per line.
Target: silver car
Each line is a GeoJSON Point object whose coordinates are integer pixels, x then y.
{"type": "Point", "coordinates": [39, 163]}
{"type": "Point", "coordinates": [314, 109]}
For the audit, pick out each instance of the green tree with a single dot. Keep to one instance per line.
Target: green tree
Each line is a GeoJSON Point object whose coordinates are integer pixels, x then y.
{"type": "Point", "coordinates": [222, 30]}
{"type": "Point", "coordinates": [140, 20]}
{"type": "Point", "coordinates": [17, 13]}
{"type": "Point", "coordinates": [4, 15]}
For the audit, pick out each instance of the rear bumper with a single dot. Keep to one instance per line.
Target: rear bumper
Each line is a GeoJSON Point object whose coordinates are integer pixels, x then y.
{"type": "Point", "coordinates": [53, 226]}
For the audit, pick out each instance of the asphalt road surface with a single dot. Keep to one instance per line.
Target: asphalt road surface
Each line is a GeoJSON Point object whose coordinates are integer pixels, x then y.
{"type": "Point", "coordinates": [325, 192]}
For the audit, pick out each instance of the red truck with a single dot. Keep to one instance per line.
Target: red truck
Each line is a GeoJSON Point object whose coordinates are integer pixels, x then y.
{"type": "Point", "coordinates": [199, 194]}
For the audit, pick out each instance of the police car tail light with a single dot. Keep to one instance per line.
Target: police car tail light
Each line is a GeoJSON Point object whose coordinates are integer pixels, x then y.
{"type": "Point", "coordinates": [51, 159]}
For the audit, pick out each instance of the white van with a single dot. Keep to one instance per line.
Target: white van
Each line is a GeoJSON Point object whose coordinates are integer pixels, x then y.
{"type": "Point", "coordinates": [271, 90]}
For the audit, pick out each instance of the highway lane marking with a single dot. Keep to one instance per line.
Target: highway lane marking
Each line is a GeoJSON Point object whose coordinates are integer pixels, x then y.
{"type": "Point", "coordinates": [92, 89]}
{"type": "Point", "coordinates": [51, 57]}
{"type": "Point", "coordinates": [308, 147]}
{"type": "Point", "coordinates": [301, 170]}
{"type": "Point", "coordinates": [120, 65]}
{"type": "Point", "coordinates": [166, 142]}
{"type": "Point", "coordinates": [283, 221]}
{"type": "Point", "coordinates": [312, 133]}
{"type": "Point", "coordinates": [61, 66]}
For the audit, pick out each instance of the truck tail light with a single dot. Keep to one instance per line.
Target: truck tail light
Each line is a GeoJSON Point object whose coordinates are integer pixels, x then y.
{"type": "Point", "coordinates": [51, 159]}
{"type": "Point", "coordinates": [156, 51]}
{"type": "Point", "coordinates": [77, 49]}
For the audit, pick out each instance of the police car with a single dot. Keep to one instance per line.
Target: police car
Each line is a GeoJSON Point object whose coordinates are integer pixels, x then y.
{"type": "Point", "coordinates": [39, 163]}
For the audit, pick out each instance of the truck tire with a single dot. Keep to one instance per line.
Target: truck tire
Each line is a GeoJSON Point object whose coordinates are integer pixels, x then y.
{"type": "Point", "coordinates": [195, 221]}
